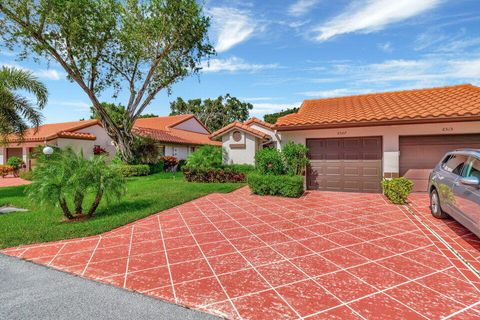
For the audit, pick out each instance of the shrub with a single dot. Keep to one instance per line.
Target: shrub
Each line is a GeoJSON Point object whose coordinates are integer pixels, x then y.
{"type": "Point", "coordinates": [169, 162]}
{"type": "Point", "coordinates": [181, 164]}
{"type": "Point", "coordinates": [397, 189]}
{"type": "Point", "coordinates": [5, 170]}
{"type": "Point", "coordinates": [145, 150]}
{"type": "Point", "coordinates": [276, 185]}
{"type": "Point", "coordinates": [16, 163]}
{"type": "Point", "coordinates": [156, 168]}
{"type": "Point", "coordinates": [212, 175]}
{"type": "Point", "coordinates": [134, 170]}
{"type": "Point", "coordinates": [205, 157]}
{"type": "Point", "coordinates": [295, 158]}
{"type": "Point", "coordinates": [26, 175]}
{"type": "Point", "coordinates": [269, 161]}
{"type": "Point", "coordinates": [65, 178]}
{"type": "Point", "coordinates": [244, 168]}
{"type": "Point", "coordinates": [98, 150]}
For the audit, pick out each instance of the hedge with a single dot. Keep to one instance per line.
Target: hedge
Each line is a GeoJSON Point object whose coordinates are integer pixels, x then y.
{"type": "Point", "coordinates": [156, 168]}
{"type": "Point", "coordinates": [213, 175]}
{"type": "Point", "coordinates": [134, 170]}
{"type": "Point", "coordinates": [276, 185]}
{"type": "Point", "coordinates": [243, 168]}
{"type": "Point", "coordinates": [397, 189]}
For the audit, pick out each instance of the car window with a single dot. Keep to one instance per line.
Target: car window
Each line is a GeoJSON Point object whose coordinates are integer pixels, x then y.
{"type": "Point", "coordinates": [455, 164]}
{"type": "Point", "coordinates": [474, 169]}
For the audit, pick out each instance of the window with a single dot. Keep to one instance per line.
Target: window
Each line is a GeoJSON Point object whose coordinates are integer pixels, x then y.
{"type": "Point", "coordinates": [474, 169]}
{"type": "Point", "coordinates": [237, 136]}
{"type": "Point", "coordinates": [454, 163]}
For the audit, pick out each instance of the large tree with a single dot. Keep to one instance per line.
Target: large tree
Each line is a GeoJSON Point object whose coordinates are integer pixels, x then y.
{"type": "Point", "coordinates": [105, 46]}
{"type": "Point", "coordinates": [273, 117]}
{"type": "Point", "coordinates": [214, 113]}
{"type": "Point", "coordinates": [18, 113]}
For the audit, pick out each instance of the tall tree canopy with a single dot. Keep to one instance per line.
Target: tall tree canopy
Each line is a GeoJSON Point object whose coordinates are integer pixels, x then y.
{"type": "Point", "coordinates": [214, 113]}
{"type": "Point", "coordinates": [272, 117]}
{"type": "Point", "coordinates": [142, 46]}
{"type": "Point", "coordinates": [17, 113]}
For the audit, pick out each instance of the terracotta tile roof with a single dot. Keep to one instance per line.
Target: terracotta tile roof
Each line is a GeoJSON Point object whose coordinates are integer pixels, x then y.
{"type": "Point", "coordinates": [241, 126]}
{"type": "Point", "coordinates": [423, 105]}
{"type": "Point", "coordinates": [163, 129]}
{"type": "Point", "coordinates": [253, 120]}
{"type": "Point", "coordinates": [59, 130]}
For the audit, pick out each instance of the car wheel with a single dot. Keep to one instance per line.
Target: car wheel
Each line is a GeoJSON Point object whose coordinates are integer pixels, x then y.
{"type": "Point", "coordinates": [435, 206]}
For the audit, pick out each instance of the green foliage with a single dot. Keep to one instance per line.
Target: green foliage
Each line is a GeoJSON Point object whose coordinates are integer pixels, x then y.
{"type": "Point", "coordinates": [397, 189]}
{"type": "Point", "coordinates": [157, 167]}
{"type": "Point", "coordinates": [211, 175]}
{"type": "Point", "coordinates": [169, 162]}
{"type": "Point", "coordinates": [116, 112]}
{"type": "Point", "coordinates": [295, 158]}
{"type": "Point", "coordinates": [269, 161]}
{"type": "Point", "coordinates": [26, 175]}
{"type": "Point", "coordinates": [276, 185]}
{"type": "Point", "coordinates": [17, 113]}
{"type": "Point", "coordinates": [15, 162]}
{"type": "Point", "coordinates": [65, 177]}
{"type": "Point", "coordinates": [205, 157]}
{"type": "Point", "coordinates": [181, 164]}
{"type": "Point", "coordinates": [134, 170]}
{"type": "Point", "coordinates": [148, 115]}
{"type": "Point", "coordinates": [112, 46]}
{"type": "Point", "coordinates": [214, 113]}
{"type": "Point", "coordinates": [273, 117]}
{"type": "Point", "coordinates": [243, 168]}
{"type": "Point", "coordinates": [145, 150]}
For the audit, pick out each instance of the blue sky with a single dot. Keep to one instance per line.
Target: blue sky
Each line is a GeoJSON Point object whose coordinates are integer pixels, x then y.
{"type": "Point", "coordinates": [274, 54]}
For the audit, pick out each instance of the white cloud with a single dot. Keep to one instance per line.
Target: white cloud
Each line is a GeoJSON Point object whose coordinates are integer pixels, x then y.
{"type": "Point", "coordinates": [371, 15]}
{"type": "Point", "coordinates": [256, 99]}
{"type": "Point", "coordinates": [48, 74]}
{"type": "Point", "coordinates": [231, 27]}
{"type": "Point", "coordinates": [234, 64]}
{"type": "Point", "coordinates": [386, 47]}
{"type": "Point", "coordinates": [260, 109]}
{"type": "Point", "coordinates": [335, 92]}
{"type": "Point", "coordinates": [300, 7]}
{"type": "Point", "coordinates": [75, 105]}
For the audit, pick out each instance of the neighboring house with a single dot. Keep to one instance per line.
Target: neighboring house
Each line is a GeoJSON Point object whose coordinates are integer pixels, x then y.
{"type": "Point", "coordinates": [178, 136]}
{"type": "Point", "coordinates": [356, 141]}
{"type": "Point", "coordinates": [242, 140]}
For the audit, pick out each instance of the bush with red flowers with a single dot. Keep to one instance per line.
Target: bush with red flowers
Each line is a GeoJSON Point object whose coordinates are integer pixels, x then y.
{"type": "Point", "coordinates": [213, 175]}
{"type": "Point", "coordinates": [169, 162]}
{"type": "Point", "coordinates": [98, 150]}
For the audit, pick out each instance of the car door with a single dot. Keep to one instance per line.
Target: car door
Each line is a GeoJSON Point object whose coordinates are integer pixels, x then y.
{"type": "Point", "coordinates": [451, 171]}
{"type": "Point", "coordinates": [467, 197]}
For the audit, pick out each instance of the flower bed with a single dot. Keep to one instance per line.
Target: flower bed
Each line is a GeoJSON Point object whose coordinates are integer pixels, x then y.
{"type": "Point", "coordinates": [213, 175]}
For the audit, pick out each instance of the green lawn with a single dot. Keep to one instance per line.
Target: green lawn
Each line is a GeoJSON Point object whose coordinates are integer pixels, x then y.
{"type": "Point", "coordinates": [145, 196]}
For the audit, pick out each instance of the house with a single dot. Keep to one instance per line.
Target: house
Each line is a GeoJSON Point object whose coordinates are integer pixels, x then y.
{"type": "Point", "coordinates": [177, 135]}
{"type": "Point", "coordinates": [242, 140]}
{"type": "Point", "coordinates": [354, 142]}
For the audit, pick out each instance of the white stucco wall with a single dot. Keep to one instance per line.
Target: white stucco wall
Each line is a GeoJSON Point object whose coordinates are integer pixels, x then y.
{"type": "Point", "coordinates": [77, 145]}
{"type": "Point", "coordinates": [181, 152]}
{"type": "Point", "coordinates": [102, 140]}
{"type": "Point", "coordinates": [270, 132]}
{"type": "Point", "coordinates": [2, 152]}
{"type": "Point", "coordinates": [240, 156]}
{"type": "Point", "coordinates": [390, 136]}
{"type": "Point", "coordinates": [191, 125]}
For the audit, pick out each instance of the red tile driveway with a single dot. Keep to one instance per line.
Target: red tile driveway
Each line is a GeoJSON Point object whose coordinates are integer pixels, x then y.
{"type": "Point", "coordinates": [12, 182]}
{"type": "Point", "coordinates": [323, 256]}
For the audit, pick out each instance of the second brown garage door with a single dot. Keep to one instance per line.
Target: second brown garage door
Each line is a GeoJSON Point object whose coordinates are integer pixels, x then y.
{"type": "Point", "coordinates": [420, 154]}
{"type": "Point", "coordinates": [345, 164]}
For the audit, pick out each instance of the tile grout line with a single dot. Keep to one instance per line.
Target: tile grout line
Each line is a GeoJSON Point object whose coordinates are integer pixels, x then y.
{"type": "Point", "coordinates": [166, 259]}
{"type": "Point", "coordinates": [91, 257]}
{"type": "Point", "coordinates": [229, 299]}
{"type": "Point", "coordinates": [128, 258]}
{"type": "Point", "coordinates": [55, 256]}
{"type": "Point", "coordinates": [463, 310]}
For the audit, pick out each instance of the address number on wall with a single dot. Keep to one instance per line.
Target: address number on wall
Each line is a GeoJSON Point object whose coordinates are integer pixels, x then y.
{"type": "Point", "coordinates": [447, 129]}
{"type": "Point", "coordinates": [341, 133]}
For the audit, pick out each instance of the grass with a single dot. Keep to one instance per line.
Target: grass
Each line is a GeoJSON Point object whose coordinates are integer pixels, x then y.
{"type": "Point", "coordinates": [145, 196]}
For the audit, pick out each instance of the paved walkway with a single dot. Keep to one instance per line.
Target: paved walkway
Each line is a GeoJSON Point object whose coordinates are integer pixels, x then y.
{"type": "Point", "coordinates": [29, 291]}
{"type": "Point", "coordinates": [324, 256]}
{"type": "Point", "coordinates": [12, 182]}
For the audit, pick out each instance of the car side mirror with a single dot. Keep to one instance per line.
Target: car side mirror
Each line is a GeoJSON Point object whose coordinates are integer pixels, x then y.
{"type": "Point", "coordinates": [470, 181]}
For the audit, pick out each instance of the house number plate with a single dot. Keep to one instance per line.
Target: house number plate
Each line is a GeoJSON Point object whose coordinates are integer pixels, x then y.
{"type": "Point", "coordinates": [447, 129]}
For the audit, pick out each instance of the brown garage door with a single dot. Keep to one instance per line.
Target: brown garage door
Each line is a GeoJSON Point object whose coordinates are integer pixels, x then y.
{"type": "Point", "coordinates": [420, 154]}
{"type": "Point", "coordinates": [345, 164]}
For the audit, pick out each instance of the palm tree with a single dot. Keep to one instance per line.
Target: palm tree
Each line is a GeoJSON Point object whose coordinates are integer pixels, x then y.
{"type": "Point", "coordinates": [18, 113]}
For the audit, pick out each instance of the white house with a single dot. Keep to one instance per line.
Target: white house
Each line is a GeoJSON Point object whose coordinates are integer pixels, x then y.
{"type": "Point", "coordinates": [356, 141]}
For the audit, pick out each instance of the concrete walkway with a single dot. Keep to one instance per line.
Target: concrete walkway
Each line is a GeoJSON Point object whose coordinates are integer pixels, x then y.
{"type": "Point", "coordinates": [30, 291]}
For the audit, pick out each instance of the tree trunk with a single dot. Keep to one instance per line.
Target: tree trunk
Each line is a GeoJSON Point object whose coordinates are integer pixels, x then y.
{"type": "Point", "coordinates": [78, 202]}
{"type": "Point", "coordinates": [95, 203]}
{"type": "Point", "coordinates": [64, 206]}
{"type": "Point", "coordinates": [122, 139]}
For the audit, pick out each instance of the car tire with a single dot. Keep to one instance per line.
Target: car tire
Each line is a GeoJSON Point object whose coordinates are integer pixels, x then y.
{"type": "Point", "coordinates": [435, 206]}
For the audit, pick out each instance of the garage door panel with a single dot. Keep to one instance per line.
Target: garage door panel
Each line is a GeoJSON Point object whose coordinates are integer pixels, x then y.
{"type": "Point", "coordinates": [420, 154]}
{"type": "Point", "coordinates": [348, 164]}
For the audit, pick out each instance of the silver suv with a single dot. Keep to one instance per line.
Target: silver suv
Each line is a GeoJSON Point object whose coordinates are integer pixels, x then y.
{"type": "Point", "coordinates": [455, 188]}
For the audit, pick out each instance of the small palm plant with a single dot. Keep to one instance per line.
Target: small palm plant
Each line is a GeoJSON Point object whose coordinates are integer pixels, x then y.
{"type": "Point", "coordinates": [67, 177]}
{"type": "Point", "coordinates": [17, 112]}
